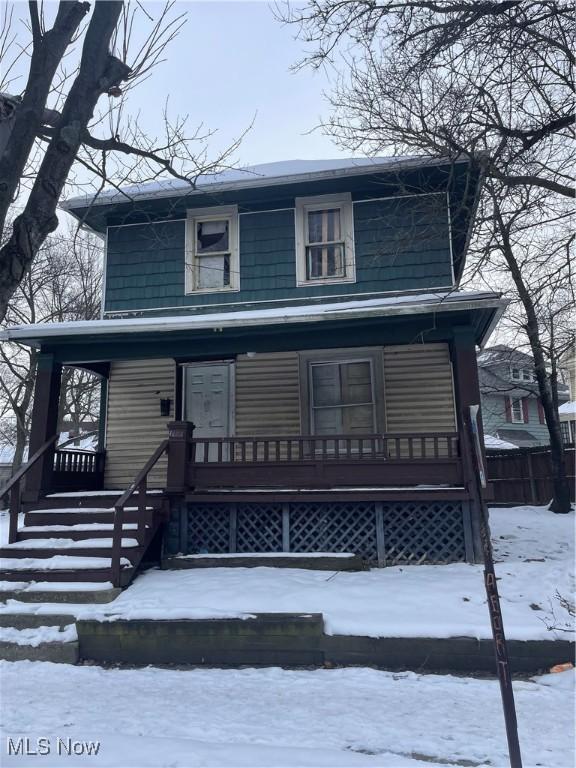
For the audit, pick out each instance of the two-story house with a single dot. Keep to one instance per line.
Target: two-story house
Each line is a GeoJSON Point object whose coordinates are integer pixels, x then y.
{"type": "Point", "coordinates": [299, 328]}
{"type": "Point", "coordinates": [511, 407]}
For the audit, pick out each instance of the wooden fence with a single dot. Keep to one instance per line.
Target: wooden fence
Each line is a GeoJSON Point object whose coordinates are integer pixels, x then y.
{"type": "Point", "coordinates": [524, 475]}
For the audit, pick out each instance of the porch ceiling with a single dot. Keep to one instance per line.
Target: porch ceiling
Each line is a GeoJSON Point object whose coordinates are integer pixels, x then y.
{"type": "Point", "coordinates": [394, 319]}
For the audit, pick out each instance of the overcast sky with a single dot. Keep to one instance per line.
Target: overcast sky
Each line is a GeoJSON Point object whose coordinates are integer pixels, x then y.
{"type": "Point", "coordinates": [230, 64]}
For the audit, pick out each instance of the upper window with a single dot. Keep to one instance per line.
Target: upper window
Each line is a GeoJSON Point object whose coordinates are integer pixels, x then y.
{"type": "Point", "coordinates": [324, 239]}
{"type": "Point", "coordinates": [523, 374]}
{"type": "Point", "coordinates": [212, 262]}
{"type": "Point", "coordinates": [517, 410]}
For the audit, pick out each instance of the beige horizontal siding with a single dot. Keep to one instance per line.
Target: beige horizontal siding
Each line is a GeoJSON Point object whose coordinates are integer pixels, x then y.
{"type": "Point", "coordinates": [134, 426]}
{"type": "Point", "coordinates": [419, 394]}
{"type": "Point", "coordinates": [268, 394]}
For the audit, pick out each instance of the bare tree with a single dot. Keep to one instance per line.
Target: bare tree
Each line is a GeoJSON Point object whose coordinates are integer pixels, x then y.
{"type": "Point", "coordinates": [55, 127]}
{"type": "Point", "coordinates": [64, 283]}
{"type": "Point", "coordinates": [490, 81]}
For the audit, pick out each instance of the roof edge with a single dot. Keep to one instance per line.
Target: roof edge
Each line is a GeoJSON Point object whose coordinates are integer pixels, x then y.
{"type": "Point", "coordinates": [426, 161]}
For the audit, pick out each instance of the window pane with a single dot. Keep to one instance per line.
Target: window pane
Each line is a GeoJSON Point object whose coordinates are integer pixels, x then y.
{"type": "Point", "coordinates": [325, 385]}
{"type": "Point", "coordinates": [212, 236]}
{"type": "Point", "coordinates": [324, 226]}
{"type": "Point", "coordinates": [328, 421]}
{"type": "Point", "coordinates": [515, 373]}
{"type": "Point", "coordinates": [359, 419]}
{"type": "Point", "coordinates": [213, 272]}
{"type": "Point", "coordinates": [324, 261]}
{"type": "Point", "coordinates": [356, 383]}
{"type": "Point", "coordinates": [517, 412]}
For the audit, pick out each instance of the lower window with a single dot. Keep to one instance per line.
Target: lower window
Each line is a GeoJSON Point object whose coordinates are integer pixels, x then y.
{"type": "Point", "coordinates": [342, 397]}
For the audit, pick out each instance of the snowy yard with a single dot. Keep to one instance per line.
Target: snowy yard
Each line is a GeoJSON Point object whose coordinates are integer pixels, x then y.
{"type": "Point", "coordinates": [273, 717]}
{"type": "Point", "coordinates": [329, 717]}
{"type": "Point", "coordinates": [534, 547]}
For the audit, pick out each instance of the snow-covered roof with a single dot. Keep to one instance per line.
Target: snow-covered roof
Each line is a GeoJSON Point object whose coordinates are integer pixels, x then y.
{"type": "Point", "coordinates": [568, 409]}
{"type": "Point", "coordinates": [494, 442]}
{"type": "Point", "coordinates": [406, 304]}
{"type": "Point", "coordinates": [266, 174]}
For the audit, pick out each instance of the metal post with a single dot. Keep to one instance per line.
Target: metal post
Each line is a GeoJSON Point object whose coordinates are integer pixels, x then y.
{"type": "Point", "coordinates": [490, 583]}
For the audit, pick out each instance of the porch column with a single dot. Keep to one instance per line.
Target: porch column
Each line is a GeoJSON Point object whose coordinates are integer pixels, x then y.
{"type": "Point", "coordinates": [102, 413]}
{"type": "Point", "coordinates": [466, 393]}
{"type": "Point", "coordinates": [465, 367]}
{"type": "Point", "coordinates": [44, 425]}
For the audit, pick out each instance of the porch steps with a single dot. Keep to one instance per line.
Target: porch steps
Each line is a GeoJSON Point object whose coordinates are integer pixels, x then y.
{"type": "Point", "coordinates": [67, 538]}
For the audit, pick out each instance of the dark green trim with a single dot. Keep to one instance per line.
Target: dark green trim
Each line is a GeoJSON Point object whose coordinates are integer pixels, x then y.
{"type": "Point", "coordinates": [220, 343]}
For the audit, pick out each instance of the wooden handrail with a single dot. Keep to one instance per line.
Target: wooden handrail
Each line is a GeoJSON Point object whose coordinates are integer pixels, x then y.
{"type": "Point", "coordinates": [139, 484]}
{"type": "Point", "coordinates": [13, 485]}
{"type": "Point", "coordinates": [25, 467]}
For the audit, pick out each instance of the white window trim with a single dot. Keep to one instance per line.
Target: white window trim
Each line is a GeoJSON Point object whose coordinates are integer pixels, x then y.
{"type": "Point", "coordinates": [521, 371]}
{"type": "Point", "coordinates": [229, 212]}
{"type": "Point", "coordinates": [511, 401]}
{"type": "Point", "coordinates": [306, 204]}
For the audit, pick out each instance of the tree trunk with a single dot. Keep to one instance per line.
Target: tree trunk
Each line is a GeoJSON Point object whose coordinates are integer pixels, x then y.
{"type": "Point", "coordinates": [99, 71]}
{"type": "Point", "coordinates": [561, 496]}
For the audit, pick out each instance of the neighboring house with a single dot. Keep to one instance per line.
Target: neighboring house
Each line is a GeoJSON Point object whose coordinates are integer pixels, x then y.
{"type": "Point", "coordinates": [568, 363]}
{"type": "Point", "coordinates": [567, 411]}
{"type": "Point", "coordinates": [6, 456]}
{"type": "Point", "coordinates": [511, 407]}
{"type": "Point", "coordinates": [306, 319]}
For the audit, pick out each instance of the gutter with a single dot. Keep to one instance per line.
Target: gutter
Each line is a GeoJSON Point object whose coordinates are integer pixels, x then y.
{"type": "Point", "coordinates": [33, 334]}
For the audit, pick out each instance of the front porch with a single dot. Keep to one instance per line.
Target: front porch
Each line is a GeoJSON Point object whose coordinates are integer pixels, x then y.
{"type": "Point", "coordinates": [283, 436]}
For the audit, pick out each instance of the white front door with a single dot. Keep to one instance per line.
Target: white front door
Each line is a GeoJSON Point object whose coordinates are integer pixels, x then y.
{"type": "Point", "coordinates": [208, 400]}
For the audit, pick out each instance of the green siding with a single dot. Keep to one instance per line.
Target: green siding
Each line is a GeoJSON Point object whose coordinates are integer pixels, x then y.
{"type": "Point", "coordinates": [494, 418]}
{"type": "Point", "coordinates": [401, 244]}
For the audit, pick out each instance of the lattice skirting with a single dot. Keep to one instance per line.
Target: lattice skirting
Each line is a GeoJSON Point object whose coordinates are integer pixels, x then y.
{"type": "Point", "coordinates": [387, 533]}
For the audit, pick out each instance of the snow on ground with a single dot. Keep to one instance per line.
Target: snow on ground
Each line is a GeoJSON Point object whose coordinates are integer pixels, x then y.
{"type": "Point", "coordinates": [534, 547]}
{"type": "Point", "coordinates": [273, 717]}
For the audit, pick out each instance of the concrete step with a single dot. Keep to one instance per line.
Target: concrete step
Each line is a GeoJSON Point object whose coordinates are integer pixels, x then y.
{"type": "Point", "coordinates": [57, 653]}
{"type": "Point", "coordinates": [258, 640]}
{"type": "Point", "coordinates": [39, 638]}
{"type": "Point", "coordinates": [63, 592]}
{"type": "Point", "coordinates": [322, 561]}
{"type": "Point", "coordinates": [27, 620]}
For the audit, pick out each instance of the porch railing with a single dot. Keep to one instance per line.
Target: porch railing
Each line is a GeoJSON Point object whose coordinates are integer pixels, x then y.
{"type": "Point", "coordinates": [14, 486]}
{"type": "Point", "coordinates": [296, 448]}
{"type": "Point", "coordinates": [325, 460]}
{"type": "Point", "coordinates": [76, 469]}
{"type": "Point", "coordinates": [145, 515]}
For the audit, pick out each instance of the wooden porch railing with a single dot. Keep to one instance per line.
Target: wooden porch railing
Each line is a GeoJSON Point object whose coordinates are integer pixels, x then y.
{"type": "Point", "coordinates": [14, 487]}
{"type": "Point", "coordinates": [290, 448]}
{"type": "Point", "coordinates": [139, 485]}
{"type": "Point", "coordinates": [78, 469]}
{"type": "Point", "coordinates": [325, 460]}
